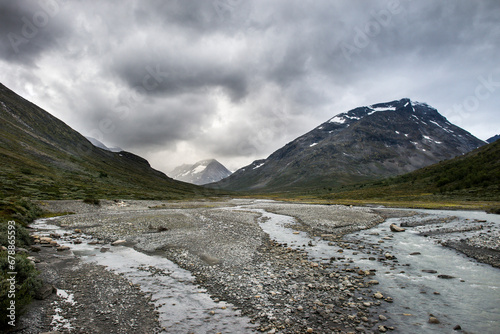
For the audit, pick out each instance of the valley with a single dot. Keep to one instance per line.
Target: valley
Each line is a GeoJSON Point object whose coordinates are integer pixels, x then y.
{"type": "Point", "coordinates": [275, 267]}
{"type": "Point", "coordinates": [276, 167]}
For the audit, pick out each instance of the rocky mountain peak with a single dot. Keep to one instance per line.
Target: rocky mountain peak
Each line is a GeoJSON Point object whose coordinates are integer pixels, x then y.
{"type": "Point", "coordinates": [379, 140]}
{"type": "Point", "coordinates": [202, 172]}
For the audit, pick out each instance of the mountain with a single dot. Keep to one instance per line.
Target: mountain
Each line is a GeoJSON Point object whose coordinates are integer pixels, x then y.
{"type": "Point", "coordinates": [363, 144]}
{"type": "Point", "coordinates": [493, 139]}
{"type": "Point", "coordinates": [474, 176]}
{"type": "Point", "coordinates": [100, 144]}
{"type": "Point", "coordinates": [42, 157]}
{"type": "Point", "coordinates": [202, 172]}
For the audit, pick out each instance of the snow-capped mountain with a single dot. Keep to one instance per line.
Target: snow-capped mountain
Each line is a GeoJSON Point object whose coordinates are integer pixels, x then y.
{"type": "Point", "coordinates": [100, 144]}
{"type": "Point", "coordinates": [365, 143]}
{"type": "Point", "coordinates": [202, 172]}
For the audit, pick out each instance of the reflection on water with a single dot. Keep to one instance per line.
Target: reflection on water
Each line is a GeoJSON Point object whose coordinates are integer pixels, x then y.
{"type": "Point", "coordinates": [183, 307]}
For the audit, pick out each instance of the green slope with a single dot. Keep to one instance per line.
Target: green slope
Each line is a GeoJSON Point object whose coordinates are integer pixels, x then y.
{"type": "Point", "coordinates": [472, 177]}
{"type": "Point", "coordinates": [42, 157]}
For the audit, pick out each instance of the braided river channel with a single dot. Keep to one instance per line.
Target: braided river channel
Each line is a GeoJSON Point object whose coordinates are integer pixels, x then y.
{"type": "Point", "coordinates": [422, 277]}
{"type": "Point", "coordinates": [468, 296]}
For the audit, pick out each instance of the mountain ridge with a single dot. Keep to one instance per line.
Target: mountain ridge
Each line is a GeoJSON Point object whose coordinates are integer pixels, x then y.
{"type": "Point", "coordinates": [380, 140]}
{"type": "Point", "coordinates": [100, 144]}
{"type": "Point", "coordinates": [493, 139]}
{"type": "Point", "coordinates": [42, 157]}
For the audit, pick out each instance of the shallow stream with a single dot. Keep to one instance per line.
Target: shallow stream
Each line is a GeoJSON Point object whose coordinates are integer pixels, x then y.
{"type": "Point", "coordinates": [183, 306]}
{"type": "Point", "coordinates": [470, 299]}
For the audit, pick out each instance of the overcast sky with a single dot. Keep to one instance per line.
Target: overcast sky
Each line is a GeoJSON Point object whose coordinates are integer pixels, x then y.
{"type": "Point", "coordinates": [181, 81]}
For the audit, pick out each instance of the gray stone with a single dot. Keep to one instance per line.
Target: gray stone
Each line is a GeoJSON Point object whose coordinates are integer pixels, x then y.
{"type": "Point", "coordinates": [396, 228]}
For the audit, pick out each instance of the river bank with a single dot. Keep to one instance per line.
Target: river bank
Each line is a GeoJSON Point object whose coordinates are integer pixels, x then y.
{"type": "Point", "coordinates": [278, 287]}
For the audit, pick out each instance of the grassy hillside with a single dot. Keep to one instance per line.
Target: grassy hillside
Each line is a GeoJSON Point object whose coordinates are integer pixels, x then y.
{"type": "Point", "coordinates": [469, 178]}
{"type": "Point", "coordinates": [43, 158]}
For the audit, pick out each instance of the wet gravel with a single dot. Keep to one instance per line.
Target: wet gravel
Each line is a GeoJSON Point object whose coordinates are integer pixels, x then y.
{"type": "Point", "coordinates": [278, 287]}
{"type": "Point", "coordinates": [85, 298]}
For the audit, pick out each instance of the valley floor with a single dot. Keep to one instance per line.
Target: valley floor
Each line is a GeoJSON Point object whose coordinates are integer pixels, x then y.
{"type": "Point", "coordinates": [278, 287]}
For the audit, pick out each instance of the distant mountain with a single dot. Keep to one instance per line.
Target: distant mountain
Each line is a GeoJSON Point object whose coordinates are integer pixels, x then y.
{"type": "Point", "coordinates": [202, 172]}
{"type": "Point", "coordinates": [42, 157]}
{"type": "Point", "coordinates": [363, 144]}
{"type": "Point", "coordinates": [99, 144]}
{"type": "Point", "coordinates": [493, 139]}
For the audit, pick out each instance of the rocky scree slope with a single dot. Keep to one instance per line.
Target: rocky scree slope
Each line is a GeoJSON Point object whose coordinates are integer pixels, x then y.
{"type": "Point", "coordinates": [365, 143]}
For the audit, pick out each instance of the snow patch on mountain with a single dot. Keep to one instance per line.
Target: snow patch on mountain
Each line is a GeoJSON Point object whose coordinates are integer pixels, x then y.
{"type": "Point", "coordinates": [375, 109]}
{"type": "Point", "coordinates": [338, 119]}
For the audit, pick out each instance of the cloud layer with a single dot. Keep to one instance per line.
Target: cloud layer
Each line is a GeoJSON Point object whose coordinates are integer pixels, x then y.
{"type": "Point", "coordinates": [181, 81]}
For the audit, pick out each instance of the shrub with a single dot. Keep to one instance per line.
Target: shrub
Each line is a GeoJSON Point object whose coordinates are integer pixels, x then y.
{"type": "Point", "coordinates": [21, 210]}
{"type": "Point", "coordinates": [91, 200]}
{"type": "Point", "coordinates": [27, 283]}
{"type": "Point", "coordinates": [23, 238]}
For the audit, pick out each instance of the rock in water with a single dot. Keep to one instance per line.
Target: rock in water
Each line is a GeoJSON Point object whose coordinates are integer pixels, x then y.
{"type": "Point", "coordinates": [433, 320]}
{"type": "Point", "coordinates": [445, 276]}
{"type": "Point", "coordinates": [118, 242]}
{"type": "Point", "coordinates": [396, 228]}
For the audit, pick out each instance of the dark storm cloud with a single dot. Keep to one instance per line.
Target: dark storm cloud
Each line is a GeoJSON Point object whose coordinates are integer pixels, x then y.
{"type": "Point", "coordinates": [238, 79]}
{"type": "Point", "coordinates": [171, 72]}
{"type": "Point", "coordinates": [29, 28]}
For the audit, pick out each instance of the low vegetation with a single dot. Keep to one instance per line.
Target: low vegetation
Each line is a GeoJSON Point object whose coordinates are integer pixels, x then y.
{"type": "Point", "coordinates": [471, 181]}
{"type": "Point", "coordinates": [22, 212]}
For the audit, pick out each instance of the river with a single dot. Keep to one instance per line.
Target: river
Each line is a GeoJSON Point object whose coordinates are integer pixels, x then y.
{"type": "Point", "coordinates": [469, 295]}
{"type": "Point", "coordinates": [471, 299]}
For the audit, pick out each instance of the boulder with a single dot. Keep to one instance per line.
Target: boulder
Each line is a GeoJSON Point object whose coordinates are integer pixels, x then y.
{"type": "Point", "coordinates": [396, 228]}
{"type": "Point", "coordinates": [389, 256]}
{"type": "Point", "coordinates": [433, 320]}
{"type": "Point", "coordinates": [35, 249]}
{"type": "Point", "coordinates": [445, 276]}
{"type": "Point", "coordinates": [45, 291]}
{"type": "Point", "coordinates": [45, 240]}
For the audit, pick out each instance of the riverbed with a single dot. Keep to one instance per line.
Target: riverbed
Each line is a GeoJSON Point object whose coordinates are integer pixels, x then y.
{"type": "Point", "coordinates": [244, 266]}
